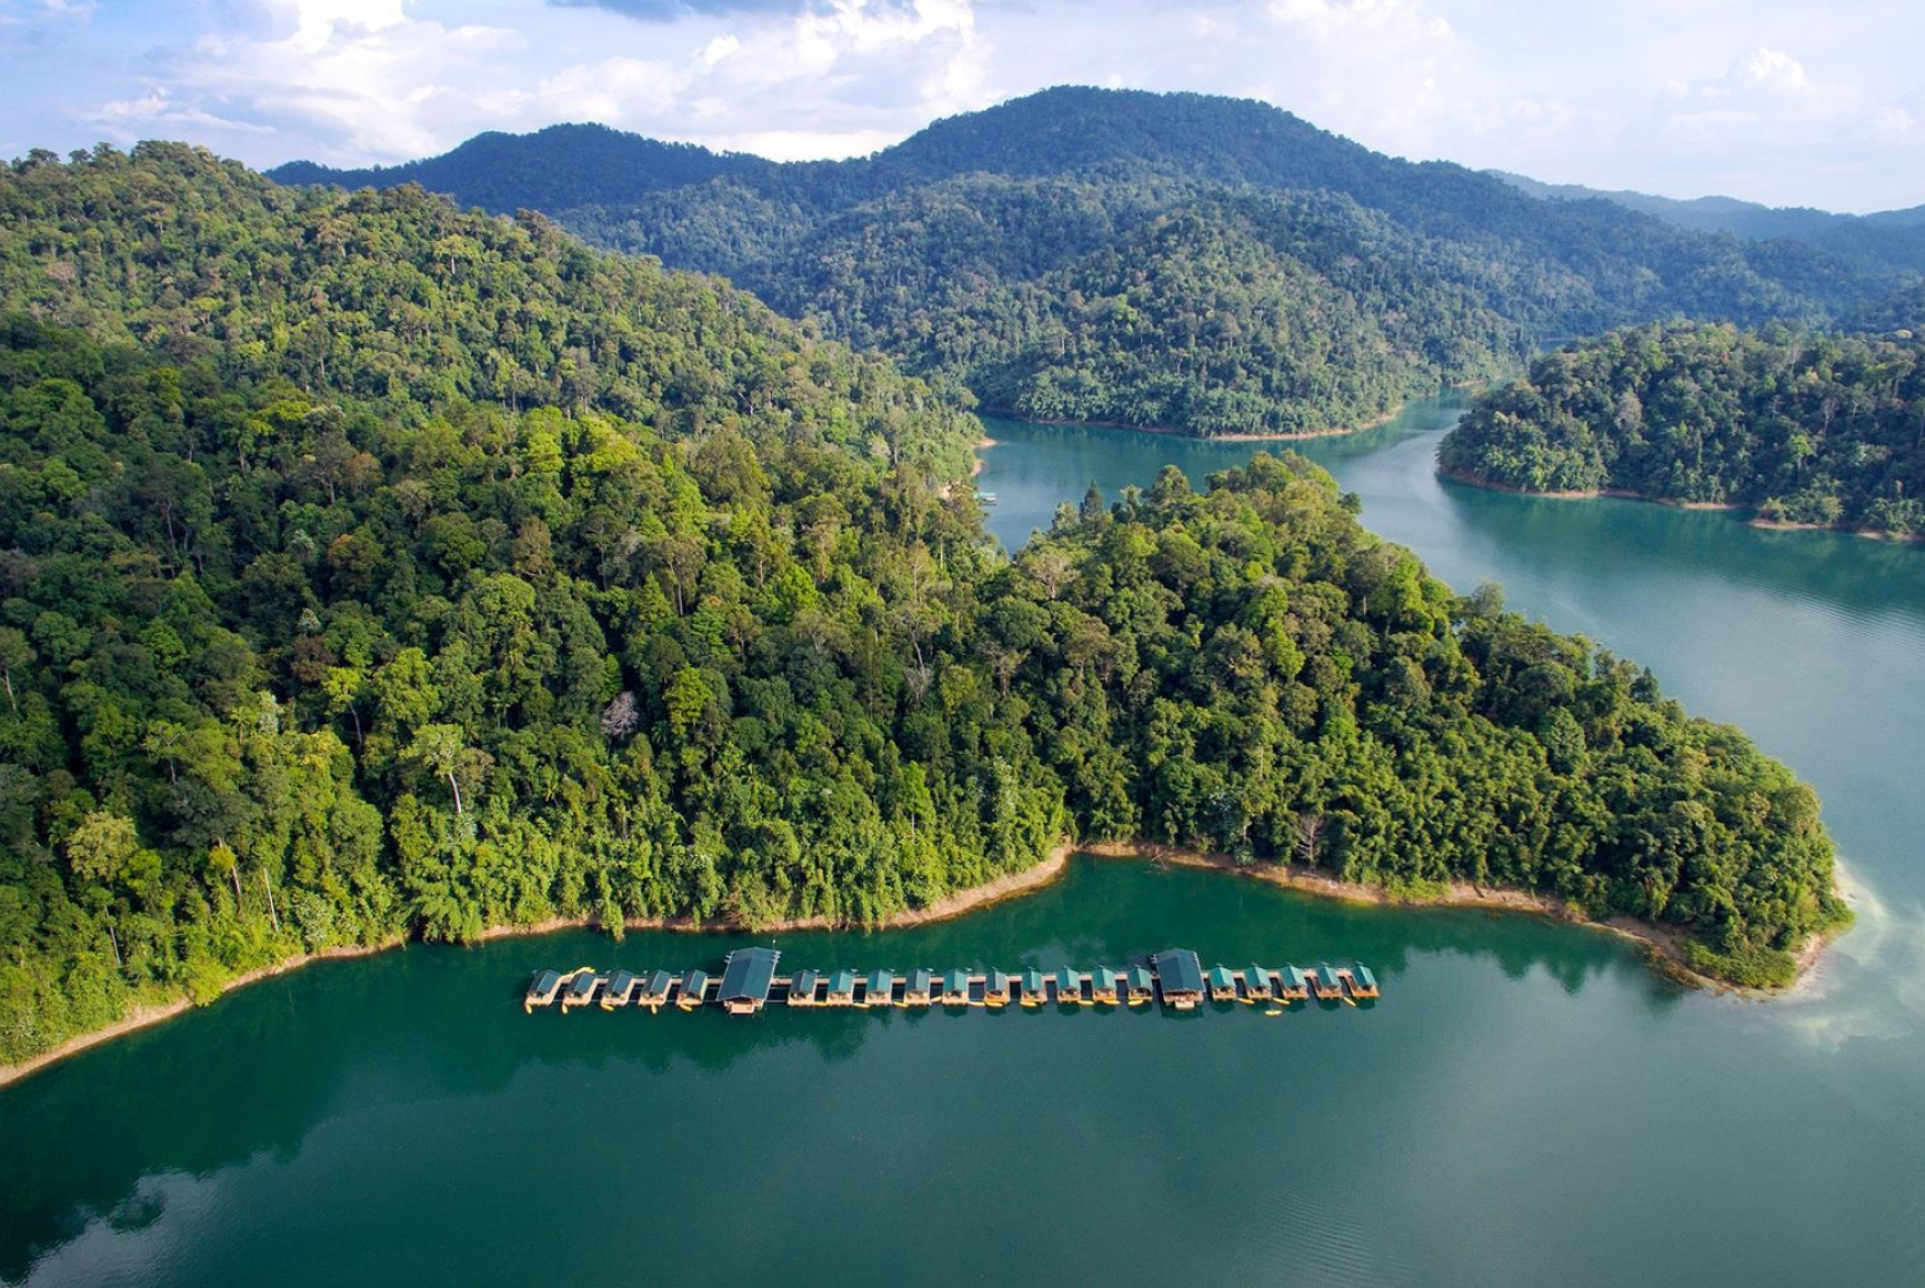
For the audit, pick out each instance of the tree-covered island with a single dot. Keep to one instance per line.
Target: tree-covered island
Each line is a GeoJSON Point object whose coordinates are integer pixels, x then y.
{"type": "Point", "coordinates": [368, 568]}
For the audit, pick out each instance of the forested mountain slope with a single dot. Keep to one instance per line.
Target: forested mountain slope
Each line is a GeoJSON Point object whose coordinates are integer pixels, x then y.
{"type": "Point", "coordinates": [985, 251]}
{"type": "Point", "coordinates": [1800, 426]}
{"type": "Point", "coordinates": [1886, 240]}
{"type": "Point", "coordinates": [298, 657]}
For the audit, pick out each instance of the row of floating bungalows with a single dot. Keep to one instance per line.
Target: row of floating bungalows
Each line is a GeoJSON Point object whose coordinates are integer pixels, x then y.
{"type": "Point", "coordinates": [749, 981]}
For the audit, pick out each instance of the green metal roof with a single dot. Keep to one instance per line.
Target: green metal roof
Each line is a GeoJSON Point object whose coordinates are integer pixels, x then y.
{"type": "Point", "coordinates": [1068, 979]}
{"type": "Point", "coordinates": [1032, 981]}
{"type": "Point", "coordinates": [584, 984]}
{"type": "Point", "coordinates": [843, 981]}
{"type": "Point", "coordinates": [1295, 978]}
{"type": "Point", "coordinates": [1140, 978]}
{"type": "Point", "coordinates": [956, 981]}
{"type": "Point", "coordinates": [804, 983]}
{"type": "Point", "coordinates": [921, 982]}
{"type": "Point", "coordinates": [694, 984]}
{"type": "Point", "coordinates": [658, 984]}
{"type": "Point", "coordinates": [545, 983]}
{"type": "Point", "coordinates": [1102, 977]}
{"type": "Point", "coordinates": [882, 984]}
{"type": "Point", "coordinates": [998, 981]}
{"type": "Point", "coordinates": [1328, 975]}
{"type": "Point", "coordinates": [1364, 976]}
{"type": "Point", "coordinates": [1178, 970]}
{"type": "Point", "coordinates": [1259, 977]}
{"type": "Point", "coordinates": [747, 975]}
{"type": "Point", "coordinates": [622, 983]}
{"type": "Point", "coordinates": [1222, 977]}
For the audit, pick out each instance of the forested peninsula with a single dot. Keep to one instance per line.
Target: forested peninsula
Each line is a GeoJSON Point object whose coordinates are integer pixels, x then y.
{"type": "Point", "coordinates": [1189, 262]}
{"type": "Point", "coordinates": [1799, 427]}
{"type": "Point", "coordinates": [370, 569]}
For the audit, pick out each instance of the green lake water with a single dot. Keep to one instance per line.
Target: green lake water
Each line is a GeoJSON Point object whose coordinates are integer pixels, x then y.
{"type": "Point", "coordinates": [1526, 1105]}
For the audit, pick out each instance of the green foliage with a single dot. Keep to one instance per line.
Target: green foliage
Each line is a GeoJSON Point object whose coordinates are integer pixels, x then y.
{"type": "Point", "coordinates": [294, 662]}
{"type": "Point", "coordinates": [1199, 263]}
{"type": "Point", "coordinates": [1801, 426]}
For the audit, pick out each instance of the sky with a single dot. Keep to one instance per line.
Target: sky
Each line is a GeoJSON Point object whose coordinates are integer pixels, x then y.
{"type": "Point", "coordinates": [1787, 103]}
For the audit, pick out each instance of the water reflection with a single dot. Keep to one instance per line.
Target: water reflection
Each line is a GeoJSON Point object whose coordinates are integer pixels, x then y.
{"type": "Point", "coordinates": [254, 1076]}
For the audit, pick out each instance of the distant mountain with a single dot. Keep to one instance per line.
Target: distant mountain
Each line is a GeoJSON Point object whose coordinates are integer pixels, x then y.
{"type": "Point", "coordinates": [1203, 263]}
{"type": "Point", "coordinates": [1890, 239]}
{"type": "Point", "coordinates": [552, 169]}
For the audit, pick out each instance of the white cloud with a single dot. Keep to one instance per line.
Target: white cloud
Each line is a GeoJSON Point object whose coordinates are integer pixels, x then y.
{"type": "Point", "coordinates": [1790, 105]}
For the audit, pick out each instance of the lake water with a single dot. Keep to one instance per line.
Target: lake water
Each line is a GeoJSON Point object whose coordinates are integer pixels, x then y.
{"type": "Point", "coordinates": [1528, 1104]}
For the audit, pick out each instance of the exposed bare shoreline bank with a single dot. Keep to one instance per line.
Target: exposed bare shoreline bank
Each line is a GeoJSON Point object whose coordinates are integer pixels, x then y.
{"type": "Point", "coordinates": [1665, 947]}
{"type": "Point", "coordinates": [1625, 494]}
{"type": "Point", "coordinates": [1278, 436]}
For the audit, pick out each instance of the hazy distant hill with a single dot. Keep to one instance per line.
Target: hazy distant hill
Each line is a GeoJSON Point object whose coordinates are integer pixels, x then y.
{"type": "Point", "coordinates": [552, 169]}
{"type": "Point", "coordinates": [1889, 239]}
{"type": "Point", "coordinates": [1207, 263]}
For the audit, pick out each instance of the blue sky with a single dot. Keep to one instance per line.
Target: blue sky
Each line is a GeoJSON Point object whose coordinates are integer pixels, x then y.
{"type": "Point", "coordinates": [1789, 103]}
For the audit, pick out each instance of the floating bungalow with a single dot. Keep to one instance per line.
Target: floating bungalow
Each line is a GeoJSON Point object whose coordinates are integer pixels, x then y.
{"type": "Point", "coordinates": [1179, 977]}
{"type": "Point", "coordinates": [1293, 985]}
{"type": "Point", "coordinates": [542, 990]}
{"type": "Point", "coordinates": [1326, 984]}
{"type": "Point", "coordinates": [842, 988]}
{"type": "Point", "coordinates": [921, 988]}
{"type": "Point", "coordinates": [581, 990]}
{"type": "Point", "coordinates": [802, 988]}
{"type": "Point", "coordinates": [1033, 988]}
{"type": "Point", "coordinates": [1258, 985]}
{"type": "Point", "coordinates": [879, 989]}
{"type": "Point", "coordinates": [620, 990]}
{"type": "Point", "coordinates": [1139, 985]}
{"type": "Point", "coordinates": [693, 990]}
{"type": "Point", "coordinates": [655, 989]}
{"type": "Point", "coordinates": [955, 988]}
{"type": "Point", "coordinates": [1102, 986]}
{"type": "Point", "coordinates": [747, 974]}
{"type": "Point", "coordinates": [1069, 987]}
{"type": "Point", "coordinates": [1362, 982]}
{"type": "Point", "coordinates": [1223, 984]}
{"type": "Point", "coordinates": [996, 988]}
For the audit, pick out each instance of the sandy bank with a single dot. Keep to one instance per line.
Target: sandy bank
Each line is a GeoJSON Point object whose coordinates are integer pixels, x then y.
{"type": "Point", "coordinates": [953, 905]}
{"type": "Point", "coordinates": [1278, 436]}
{"type": "Point", "coordinates": [1664, 945]}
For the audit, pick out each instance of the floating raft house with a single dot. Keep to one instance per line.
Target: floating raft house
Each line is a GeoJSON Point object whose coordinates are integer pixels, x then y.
{"type": "Point", "coordinates": [655, 989]}
{"type": "Point", "coordinates": [1179, 977]}
{"type": "Point", "coordinates": [747, 976]}
{"type": "Point", "coordinates": [749, 982]}
{"type": "Point", "coordinates": [621, 988]}
{"type": "Point", "coordinates": [581, 991]}
{"type": "Point", "coordinates": [541, 992]}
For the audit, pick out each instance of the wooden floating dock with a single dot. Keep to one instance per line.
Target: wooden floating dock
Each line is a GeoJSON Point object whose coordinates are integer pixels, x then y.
{"type": "Point", "coordinates": [749, 982]}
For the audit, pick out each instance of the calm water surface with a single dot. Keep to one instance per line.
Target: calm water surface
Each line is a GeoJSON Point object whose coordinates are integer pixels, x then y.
{"type": "Point", "coordinates": [1526, 1105]}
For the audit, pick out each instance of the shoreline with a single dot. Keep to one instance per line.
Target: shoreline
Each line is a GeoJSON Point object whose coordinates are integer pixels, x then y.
{"type": "Point", "coordinates": [1625, 494]}
{"type": "Point", "coordinates": [1268, 436]}
{"type": "Point", "coordinates": [1663, 945]}
{"type": "Point", "coordinates": [954, 904]}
